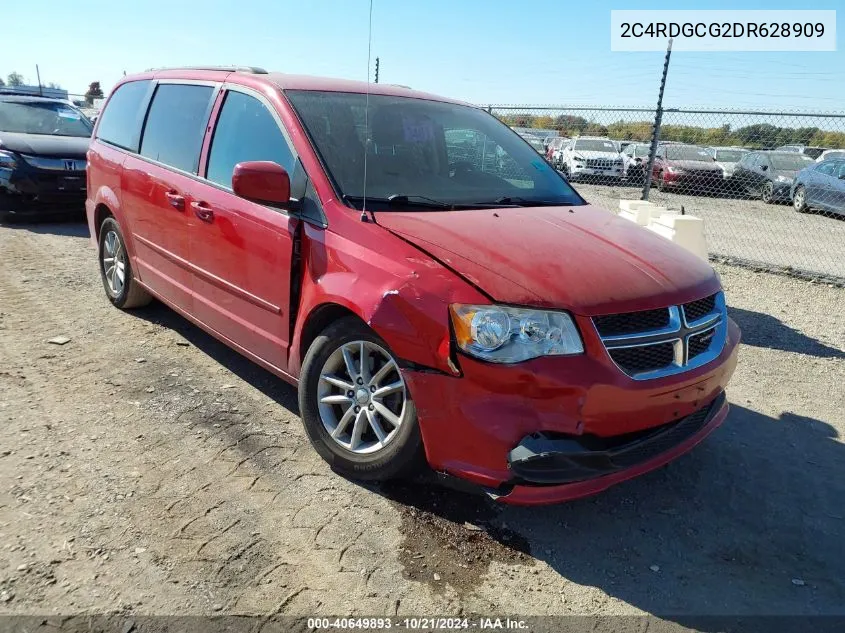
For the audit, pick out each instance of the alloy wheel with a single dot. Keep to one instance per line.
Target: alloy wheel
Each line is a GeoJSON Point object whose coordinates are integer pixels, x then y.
{"type": "Point", "coordinates": [114, 263]}
{"type": "Point", "coordinates": [361, 397]}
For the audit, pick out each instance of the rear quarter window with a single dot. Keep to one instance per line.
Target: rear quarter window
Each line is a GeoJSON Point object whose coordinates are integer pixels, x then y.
{"type": "Point", "coordinates": [120, 122]}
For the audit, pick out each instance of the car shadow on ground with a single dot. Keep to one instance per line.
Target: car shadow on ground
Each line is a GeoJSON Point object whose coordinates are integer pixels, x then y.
{"type": "Point", "coordinates": [748, 523]}
{"type": "Point", "coordinates": [73, 226]}
{"type": "Point", "coordinates": [267, 383]}
{"type": "Point", "coordinates": [764, 330]}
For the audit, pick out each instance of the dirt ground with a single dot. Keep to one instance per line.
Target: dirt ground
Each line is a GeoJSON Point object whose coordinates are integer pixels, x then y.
{"type": "Point", "coordinates": [147, 469]}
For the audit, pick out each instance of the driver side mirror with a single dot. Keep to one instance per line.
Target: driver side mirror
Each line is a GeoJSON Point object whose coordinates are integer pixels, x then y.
{"type": "Point", "coordinates": [764, 167]}
{"type": "Point", "coordinates": [262, 181]}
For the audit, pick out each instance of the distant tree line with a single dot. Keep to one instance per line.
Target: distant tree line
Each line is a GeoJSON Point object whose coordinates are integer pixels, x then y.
{"type": "Point", "coordinates": [758, 136]}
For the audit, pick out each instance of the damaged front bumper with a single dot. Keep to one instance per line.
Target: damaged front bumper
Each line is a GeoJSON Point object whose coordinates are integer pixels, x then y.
{"type": "Point", "coordinates": [544, 459]}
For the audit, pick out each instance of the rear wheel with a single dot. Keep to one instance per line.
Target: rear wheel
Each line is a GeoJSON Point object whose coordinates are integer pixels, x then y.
{"type": "Point", "coordinates": [116, 271]}
{"type": "Point", "coordinates": [799, 199]}
{"type": "Point", "coordinates": [767, 193]}
{"type": "Point", "coordinates": [355, 405]}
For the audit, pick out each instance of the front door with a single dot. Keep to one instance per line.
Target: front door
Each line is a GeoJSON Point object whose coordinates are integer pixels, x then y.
{"type": "Point", "coordinates": [154, 187]}
{"type": "Point", "coordinates": [240, 250]}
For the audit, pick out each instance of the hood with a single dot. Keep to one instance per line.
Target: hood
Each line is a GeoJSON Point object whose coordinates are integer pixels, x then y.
{"type": "Point", "coordinates": [693, 165]}
{"type": "Point", "coordinates": [727, 165]}
{"type": "Point", "coordinates": [45, 145]}
{"type": "Point", "coordinates": [581, 258]}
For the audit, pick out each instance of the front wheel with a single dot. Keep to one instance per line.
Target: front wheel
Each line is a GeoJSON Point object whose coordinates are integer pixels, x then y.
{"type": "Point", "coordinates": [661, 182]}
{"type": "Point", "coordinates": [799, 200]}
{"type": "Point", "coordinates": [355, 405]}
{"type": "Point", "coordinates": [767, 193]}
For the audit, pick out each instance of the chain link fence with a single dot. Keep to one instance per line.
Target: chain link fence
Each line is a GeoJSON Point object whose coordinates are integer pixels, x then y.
{"type": "Point", "coordinates": [770, 186]}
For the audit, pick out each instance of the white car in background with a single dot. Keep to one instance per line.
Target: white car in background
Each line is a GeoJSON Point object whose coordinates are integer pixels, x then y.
{"type": "Point", "coordinates": [592, 157]}
{"type": "Point", "coordinates": [831, 153]}
{"type": "Point", "coordinates": [727, 158]}
{"type": "Point", "coordinates": [554, 153]}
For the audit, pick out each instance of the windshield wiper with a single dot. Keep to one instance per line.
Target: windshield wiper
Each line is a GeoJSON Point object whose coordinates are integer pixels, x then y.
{"type": "Point", "coordinates": [397, 200]}
{"type": "Point", "coordinates": [525, 202]}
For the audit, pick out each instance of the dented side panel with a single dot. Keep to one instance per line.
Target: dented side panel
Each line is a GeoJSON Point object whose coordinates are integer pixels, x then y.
{"type": "Point", "coordinates": [400, 292]}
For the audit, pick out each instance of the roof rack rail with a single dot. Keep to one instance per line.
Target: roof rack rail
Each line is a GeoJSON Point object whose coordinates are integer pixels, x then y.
{"type": "Point", "coordinates": [255, 70]}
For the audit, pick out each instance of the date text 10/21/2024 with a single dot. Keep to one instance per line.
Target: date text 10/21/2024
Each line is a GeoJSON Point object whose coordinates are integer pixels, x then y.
{"type": "Point", "coordinates": [418, 623]}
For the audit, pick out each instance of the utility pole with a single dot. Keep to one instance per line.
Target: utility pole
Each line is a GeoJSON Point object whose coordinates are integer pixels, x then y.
{"type": "Point", "coordinates": [658, 118]}
{"type": "Point", "coordinates": [38, 74]}
{"type": "Point", "coordinates": [376, 69]}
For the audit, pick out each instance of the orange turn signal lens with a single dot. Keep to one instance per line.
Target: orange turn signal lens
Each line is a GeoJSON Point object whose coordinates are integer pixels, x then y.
{"type": "Point", "coordinates": [462, 323]}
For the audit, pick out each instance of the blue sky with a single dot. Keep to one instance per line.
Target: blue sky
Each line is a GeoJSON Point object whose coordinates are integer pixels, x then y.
{"type": "Point", "coordinates": [483, 51]}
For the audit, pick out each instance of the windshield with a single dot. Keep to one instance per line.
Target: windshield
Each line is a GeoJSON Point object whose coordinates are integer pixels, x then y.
{"type": "Point", "coordinates": [787, 162]}
{"type": "Point", "coordinates": [43, 117]}
{"type": "Point", "coordinates": [425, 150]}
{"type": "Point", "coordinates": [594, 145]}
{"type": "Point", "coordinates": [687, 152]}
{"type": "Point", "coordinates": [814, 152]}
{"type": "Point", "coordinates": [829, 155]}
{"type": "Point", "coordinates": [729, 155]}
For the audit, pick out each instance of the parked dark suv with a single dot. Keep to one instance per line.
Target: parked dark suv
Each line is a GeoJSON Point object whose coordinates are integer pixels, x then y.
{"type": "Point", "coordinates": [42, 156]}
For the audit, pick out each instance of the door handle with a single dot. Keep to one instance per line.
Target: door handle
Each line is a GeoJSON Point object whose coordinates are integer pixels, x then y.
{"type": "Point", "coordinates": [203, 211]}
{"type": "Point", "coordinates": [176, 201]}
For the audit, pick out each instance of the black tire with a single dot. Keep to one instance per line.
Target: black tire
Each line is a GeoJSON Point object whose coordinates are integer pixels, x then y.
{"type": "Point", "coordinates": [767, 193]}
{"type": "Point", "coordinates": [131, 295]}
{"type": "Point", "coordinates": [402, 457]}
{"type": "Point", "coordinates": [661, 182]}
{"type": "Point", "coordinates": [799, 200]}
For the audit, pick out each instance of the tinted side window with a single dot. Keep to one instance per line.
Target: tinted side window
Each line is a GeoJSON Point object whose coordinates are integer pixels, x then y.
{"type": "Point", "coordinates": [246, 130]}
{"type": "Point", "coordinates": [120, 122]}
{"type": "Point", "coordinates": [176, 124]}
{"type": "Point", "coordinates": [826, 168]}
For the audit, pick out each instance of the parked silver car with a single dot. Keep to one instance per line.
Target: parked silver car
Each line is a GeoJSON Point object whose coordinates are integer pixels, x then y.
{"type": "Point", "coordinates": [727, 158]}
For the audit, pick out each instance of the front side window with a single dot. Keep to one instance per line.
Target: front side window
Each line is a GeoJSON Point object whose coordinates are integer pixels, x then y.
{"type": "Point", "coordinates": [840, 171]}
{"type": "Point", "coordinates": [426, 150]}
{"type": "Point", "coordinates": [49, 118]}
{"type": "Point", "coordinates": [826, 168]}
{"type": "Point", "coordinates": [245, 131]}
{"type": "Point", "coordinates": [120, 122]}
{"type": "Point", "coordinates": [176, 125]}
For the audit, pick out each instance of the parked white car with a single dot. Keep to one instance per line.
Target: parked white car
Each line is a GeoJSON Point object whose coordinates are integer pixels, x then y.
{"type": "Point", "coordinates": [591, 156]}
{"type": "Point", "coordinates": [727, 158]}
{"type": "Point", "coordinates": [554, 153]}
{"type": "Point", "coordinates": [831, 153]}
{"type": "Point", "coordinates": [635, 160]}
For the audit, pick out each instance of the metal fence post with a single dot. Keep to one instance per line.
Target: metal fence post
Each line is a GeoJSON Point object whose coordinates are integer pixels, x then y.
{"type": "Point", "coordinates": [658, 118]}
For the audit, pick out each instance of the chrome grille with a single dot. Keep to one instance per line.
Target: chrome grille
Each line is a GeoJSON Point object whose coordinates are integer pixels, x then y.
{"type": "Point", "coordinates": [631, 322]}
{"type": "Point", "coordinates": [694, 310]}
{"type": "Point", "coordinates": [656, 343]}
{"type": "Point", "coordinates": [634, 360]}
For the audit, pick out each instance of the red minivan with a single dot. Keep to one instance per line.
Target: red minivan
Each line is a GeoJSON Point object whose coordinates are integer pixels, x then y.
{"type": "Point", "coordinates": [435, 289]}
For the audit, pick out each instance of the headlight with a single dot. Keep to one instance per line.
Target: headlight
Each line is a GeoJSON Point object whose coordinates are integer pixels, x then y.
{"type": "Point", "coordinates": [578, 159]}
{"type": "Point", "coordinates": [675, 170]}
{"type": "Point", "coordinates": [501, 334]}
{"type": "Point", "coordinates": [8, 160]}
{"type": "Point", "coordinates": [783, 179]}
